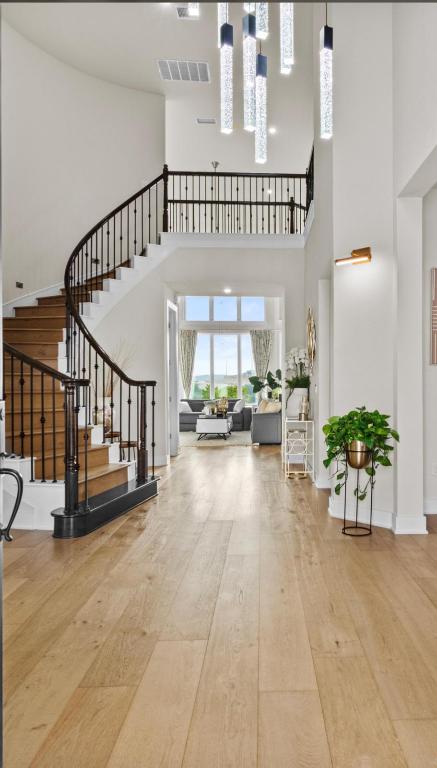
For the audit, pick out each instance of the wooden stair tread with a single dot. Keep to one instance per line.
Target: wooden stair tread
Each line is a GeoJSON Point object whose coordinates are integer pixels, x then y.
{"type": "Point", "coordinates": [101, 471]}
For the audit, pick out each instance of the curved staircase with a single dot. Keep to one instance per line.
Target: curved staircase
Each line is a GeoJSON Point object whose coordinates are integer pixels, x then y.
{"type": "Point", "coordinates": [77, 420]}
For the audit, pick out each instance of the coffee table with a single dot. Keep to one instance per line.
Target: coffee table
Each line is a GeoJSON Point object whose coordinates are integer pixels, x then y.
{"type": "Point", "coordinates": [211, 425]}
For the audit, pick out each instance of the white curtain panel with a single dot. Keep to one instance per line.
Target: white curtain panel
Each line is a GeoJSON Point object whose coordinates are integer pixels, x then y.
{"type": "Point", "coordinates": [187, 351]}
{"type": "Point", "coordinates": [261, 350]}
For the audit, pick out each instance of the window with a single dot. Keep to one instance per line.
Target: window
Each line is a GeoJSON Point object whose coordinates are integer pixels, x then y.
{"type": "Point", "coordinates": [201, 384]}
{"type": "Point", "coordinates": [225, 308]}
{"type": "Point", "coordinates": [252, 309]}
{"type": "Point", "coordinates": [222, 365]}
{"type": "Point", "coordinates": [225, 365]}
{"type": "Point", "coordinates": [196, 308]}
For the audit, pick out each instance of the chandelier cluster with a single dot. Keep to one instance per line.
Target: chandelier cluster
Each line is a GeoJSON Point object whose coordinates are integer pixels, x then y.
{"type": "Point", "coordinates": [255, 26]}
{"type": "Point", "coordinates": [255, 29]}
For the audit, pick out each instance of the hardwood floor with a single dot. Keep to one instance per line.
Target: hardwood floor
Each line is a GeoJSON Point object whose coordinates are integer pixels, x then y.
{"type": "Point", "coordinates": [225, 624]}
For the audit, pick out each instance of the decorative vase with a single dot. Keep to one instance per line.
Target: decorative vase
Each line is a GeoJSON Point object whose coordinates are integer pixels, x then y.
{"type": "Point", "coordinates": [358, 455]}
{"type": "Point", "coordinates": [104, 414]}
{"type": "Point", "coordinates": [294, 401]}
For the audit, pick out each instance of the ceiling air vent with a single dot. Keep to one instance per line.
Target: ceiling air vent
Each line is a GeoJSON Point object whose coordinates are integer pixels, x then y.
{"type": "Point", "coordinates": [182, 12]}
{"type": "Point", "coordinates": [206, 120]}
{"type": "Point", "coordinates": [187, 71]}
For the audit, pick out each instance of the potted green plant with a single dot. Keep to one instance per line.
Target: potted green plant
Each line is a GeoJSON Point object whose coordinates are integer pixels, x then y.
{"type": "Point", "coordinates": [359, 438]}
{"type": "Point", "coordinates": [298, 381]}
{"type": "Point", "coordinates": [272, 384]}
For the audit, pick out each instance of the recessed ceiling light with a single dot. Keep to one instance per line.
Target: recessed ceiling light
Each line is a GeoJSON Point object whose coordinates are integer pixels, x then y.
{"type": "Point", "coordinates": [227, 290]}
{"type": "Point", "coordinates": [272, 130]}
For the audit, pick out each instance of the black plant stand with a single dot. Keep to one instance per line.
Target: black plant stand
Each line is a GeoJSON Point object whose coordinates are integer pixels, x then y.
{"type": "Point", "coordinates": [355, 529]}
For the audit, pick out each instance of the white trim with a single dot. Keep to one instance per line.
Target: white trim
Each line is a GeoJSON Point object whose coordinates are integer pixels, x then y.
{"type": "Point", "coordinates": [322, 485]}
{"type": "Point", "coordinates": [29, 299]}
{"type": "Point", "coordinates": [403, 524]}
{"type": "Point", "coordinates": [430, 506]}
{"type": "Point", "coordinates": [380, 518]}
{"type": "Point", "coordinates": [309, 222]}
{"type": "Point", "coordinates": [271, 242]}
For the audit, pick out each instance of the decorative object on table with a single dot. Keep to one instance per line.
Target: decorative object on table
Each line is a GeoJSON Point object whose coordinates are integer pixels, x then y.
{"type": "Point", "coordinates": [222, 406]}
{"type": "Point", "coordinates": [298, 448]}
{"type": "Point", "coordinates": [304, 408]}
{"type": "Point", "coordinates": [356, 440]}
{"type": "Point", "coordinates": [311, 340]}
{"type": "Point", "coordinates": [297, 381]}
{"type": "Point", "coordinates": [210, 408]}
{"type": "Point", "coordinates": [271, 384]}
{"type": "Point", "coordinates": [434, 316]}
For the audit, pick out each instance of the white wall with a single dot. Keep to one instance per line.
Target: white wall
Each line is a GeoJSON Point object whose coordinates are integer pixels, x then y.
{"type": "Point", "coordinates": [73, 147]}
{"type": "Point", "coordinates": [200, 271]}
{"type": "Point", "coordinates": [429, 371]}
{"type": "Point", "coordinates": [415, 65]}
{"type": "Point", "coordinates": [363, 296]}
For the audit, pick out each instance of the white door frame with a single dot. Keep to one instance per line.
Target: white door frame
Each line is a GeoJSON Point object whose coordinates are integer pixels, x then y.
{"type": "Point", "coordinates": [172, 374]}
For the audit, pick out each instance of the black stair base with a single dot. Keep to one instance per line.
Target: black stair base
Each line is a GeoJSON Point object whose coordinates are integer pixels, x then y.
{"type": "Point", "coordinates": [102, 508]}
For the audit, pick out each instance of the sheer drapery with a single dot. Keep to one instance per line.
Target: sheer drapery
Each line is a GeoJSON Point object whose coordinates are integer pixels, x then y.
{"type": "Point", "coordinates": [261, 350]}
{"type": "Point", "coordinates": [187, 351]}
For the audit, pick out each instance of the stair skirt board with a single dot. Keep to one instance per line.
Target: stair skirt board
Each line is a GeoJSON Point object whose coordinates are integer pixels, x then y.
{"type": "Point", "coordinates": [102, 508]}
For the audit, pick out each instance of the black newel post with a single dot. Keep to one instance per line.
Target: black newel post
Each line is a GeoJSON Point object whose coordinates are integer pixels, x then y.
{"type": "Point", "coordinates": [71, 463]}
{"type": "Point", "coordinates": [165, 206]}
{"type": "Point", "coordinates": [142, 463]}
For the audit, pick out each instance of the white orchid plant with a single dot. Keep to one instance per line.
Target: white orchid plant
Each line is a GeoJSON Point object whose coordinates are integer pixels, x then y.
{"type": "Point", "coordinates": [298, 370]}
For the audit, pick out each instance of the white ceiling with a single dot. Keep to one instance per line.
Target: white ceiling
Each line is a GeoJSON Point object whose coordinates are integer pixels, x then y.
{"type": "Point", "coordinates": [121, 42]}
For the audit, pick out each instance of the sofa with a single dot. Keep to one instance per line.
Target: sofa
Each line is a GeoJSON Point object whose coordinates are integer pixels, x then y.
{"type": "Point", "coordinates": [266, 428]}
{"type": "Point", "coordinates": [240, 421]}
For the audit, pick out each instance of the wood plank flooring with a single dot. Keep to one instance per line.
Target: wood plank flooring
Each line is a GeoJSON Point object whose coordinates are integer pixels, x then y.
{"type": "Point", "coordinates": [225, 624]}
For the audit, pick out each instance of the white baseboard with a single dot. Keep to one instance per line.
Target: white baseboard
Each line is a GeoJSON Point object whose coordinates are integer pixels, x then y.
{"type": "Point", "coordinates": [322, 485]}
{"type": "Point", "coordinates": [29, 299]}
{"type": "Point", "coordinates": [409, 525]}
{"type": "Point", "coordinates": [430, 506]}
{"type": "Point", "coordinates": [380, 518]}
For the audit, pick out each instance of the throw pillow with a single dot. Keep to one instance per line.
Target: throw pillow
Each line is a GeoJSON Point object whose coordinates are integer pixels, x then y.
{"type": "Point", "coordinates": [262, 406]}
{"type": "Point", "coordinates": [273, 406]}
{"type": "Point", "coordinates": [184, 407]}
{"type": "Point", "coordinates": [239, 405]}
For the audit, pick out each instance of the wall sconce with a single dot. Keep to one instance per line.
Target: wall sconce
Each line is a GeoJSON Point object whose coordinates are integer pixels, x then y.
{"type": "Point", "coordinates": [358, 256]}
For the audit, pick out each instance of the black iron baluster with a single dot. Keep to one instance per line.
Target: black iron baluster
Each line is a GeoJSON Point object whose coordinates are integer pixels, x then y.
{"type": "Point", "coordinates": [142, 468]}
{"type": "Point", "coordinates": [150, 215]}
{"type": "Point", "coordinates": [129, 402]}
{"type": "Point", "coordinates": [120, 427]}
{"type": "Point", "coordinates": [96, 379]}
{"type": "Point", "coordinates": [153, 431]}
{"type": "Point", "coordinates": [135, 227]}
{"type": "Point", "coordinates": [113, 241]}
{"type": "Point", "coordinates": [127, 235]}
{"type": "Point", "coordinates": [71, 464]}
{"type": "Point", "coordinates": [111, 405]}
{"type": "Point", "coordinates": [165, 200]}
{"type": "Point", "coordinates": [12, 407]}
{"type": "Point", "coordinates": [120, 257]}
{"type": "Point", "coordinates": [54, 429]}
{"type": "Point", "coordinates": [32, 468]}
{"type": "Point", "coordinates": [108, 235]}
{"type": "Point", "coordinates": [43, 434]}
{"type": "Point", "coordinates": [142, 224]}
{"type": "Point", "coordinates": [21, 381]}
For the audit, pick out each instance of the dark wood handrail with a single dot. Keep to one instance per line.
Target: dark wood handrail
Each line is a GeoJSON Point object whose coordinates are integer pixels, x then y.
{"type": "Point", "coordinates": [229, 174]}
{"type": "Point", "coordinates": [72, 307]}
{"type": "Point", "coordinates": [64, 378]}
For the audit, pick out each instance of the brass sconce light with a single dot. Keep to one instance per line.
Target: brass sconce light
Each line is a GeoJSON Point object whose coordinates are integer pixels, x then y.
{"type": "Point", "coordinates": [358, 256]}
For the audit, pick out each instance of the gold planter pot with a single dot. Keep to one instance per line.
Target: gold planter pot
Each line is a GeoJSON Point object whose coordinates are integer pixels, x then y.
{"type": "Point", "coordinates": [358, 454]}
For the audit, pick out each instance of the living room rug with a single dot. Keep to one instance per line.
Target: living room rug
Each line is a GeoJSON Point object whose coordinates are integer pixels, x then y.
{"type": "Point", "coordinates": [190, 440]}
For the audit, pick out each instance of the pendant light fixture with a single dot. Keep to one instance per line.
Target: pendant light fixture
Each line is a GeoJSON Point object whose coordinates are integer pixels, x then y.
{"type": "Point", "coordinates": [286, 29]}
{"type": "Point", "coordinates": [249, 71]}
{"type": "Point", "coordinates": [193, 9]}
{"type": "Point", "coordinates": [261, 109]}
{"type": "Point", "coordinates": [326, 107]}
{"type": "Point", "coordinates": [226, 76]}
{"type": "Point", "coordinates": [222, 18]}
{"type": "Point", "coordinates": [262, 20]}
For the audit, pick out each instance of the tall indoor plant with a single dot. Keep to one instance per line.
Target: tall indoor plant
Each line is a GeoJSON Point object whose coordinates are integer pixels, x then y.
{"type": "Point", "coordinates": [359, 438]}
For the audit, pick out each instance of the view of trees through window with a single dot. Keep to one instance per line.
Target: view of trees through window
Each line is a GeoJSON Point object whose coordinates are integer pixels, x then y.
{"type": "Point", "coordinates": [222, 366]}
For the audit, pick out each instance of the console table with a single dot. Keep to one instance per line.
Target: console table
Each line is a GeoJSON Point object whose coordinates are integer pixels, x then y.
{"type": "Point", "coordinates": [298, 448]}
